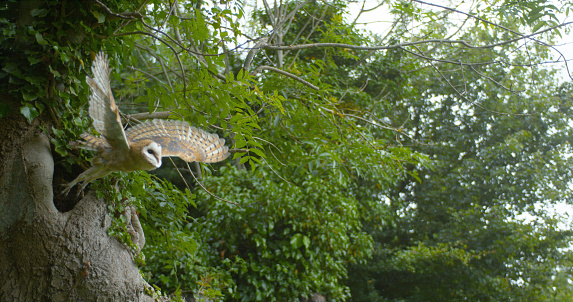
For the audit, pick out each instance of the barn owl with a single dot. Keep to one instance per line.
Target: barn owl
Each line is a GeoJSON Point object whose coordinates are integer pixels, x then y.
{"type": "Point", "coordinates": [140, 147]}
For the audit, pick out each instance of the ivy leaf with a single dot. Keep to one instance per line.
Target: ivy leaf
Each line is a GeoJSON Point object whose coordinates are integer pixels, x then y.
{"type": "Point", "coordinates": [12, 68]}
{"type": "Point", "coordinates": [40, 39]}
{"type": "Point", "coordinates": [39, 12]}
{"type": "Point", "coordinates": [29, 111]}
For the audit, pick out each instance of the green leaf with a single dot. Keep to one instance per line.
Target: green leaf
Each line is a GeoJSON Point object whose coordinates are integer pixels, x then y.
{"type": "Point", "coordinates": [40, 39]}
{"type": "Point", "coordinates": [258, 152]}
{"type": "Point", "coordinates": [99, 16]}
{"type": "Point", "coordinates": [39, 12]}
{"type": "Point", "coordinates": [539, 25]}
{"type": "Point", "coordinates": [29, 111]}
{"type": "Point", "coordinates": [296, 241]}
{"type": "Point", "coordinates": [12, 68]}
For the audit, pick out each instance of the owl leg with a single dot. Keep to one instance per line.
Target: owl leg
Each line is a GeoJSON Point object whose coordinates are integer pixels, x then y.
{"type": "Point", "coordinates": [71, 184]}
{"type": "Point", "coordinates": [85, 178]}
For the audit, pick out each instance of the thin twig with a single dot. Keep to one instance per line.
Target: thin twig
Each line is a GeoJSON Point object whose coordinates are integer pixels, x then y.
{"type": "Point", "coordinates": [507, 29]}
{"type": "Point", "coordinates": [148, 116]}
{"type": "Point", "coordinates": [126, 15]}
{"type": "Point", "coordinates": [181, 175]}
{"type": "Point", "coordinates": [475, 103]}
{"type": "Point", "coordinates": [401, 45]}
{"type": "Point", "coordinates": [204, 189]}
{"type": "Point", "coordinates": [288, 74]}
{"type": "Point", "coordinates": [149, 75]}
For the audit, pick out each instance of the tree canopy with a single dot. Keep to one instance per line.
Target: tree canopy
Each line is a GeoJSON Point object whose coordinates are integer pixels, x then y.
{"type": "Point", "coordinates": [422, 165]}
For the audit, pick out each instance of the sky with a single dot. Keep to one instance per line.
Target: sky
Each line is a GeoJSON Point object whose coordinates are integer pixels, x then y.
{"type": "Point", "coordinates": [377, 21]}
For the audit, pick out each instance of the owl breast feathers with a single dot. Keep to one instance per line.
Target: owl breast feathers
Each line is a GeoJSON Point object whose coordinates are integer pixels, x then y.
{"type": "Point", "coordinates": [140, 147]}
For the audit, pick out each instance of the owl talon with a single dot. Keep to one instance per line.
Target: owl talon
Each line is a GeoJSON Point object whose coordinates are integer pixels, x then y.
{"type": "Point", "coordinates": [68, 188]}
{"type": "Point", "coordinates": [80, 193]}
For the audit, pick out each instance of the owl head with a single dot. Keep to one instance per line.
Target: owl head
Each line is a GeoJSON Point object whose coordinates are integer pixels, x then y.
{"type": "Point", "coordinates": [150, 152]}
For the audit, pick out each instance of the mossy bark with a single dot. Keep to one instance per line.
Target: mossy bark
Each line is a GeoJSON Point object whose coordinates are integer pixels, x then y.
{"type": "Point", "coordinates": [45, 254]}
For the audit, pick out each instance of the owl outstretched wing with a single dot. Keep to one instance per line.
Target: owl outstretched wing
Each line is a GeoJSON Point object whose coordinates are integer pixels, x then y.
{"type": "Point", "coordinates": [179, 139]}
{"type": "Point", "coordinates": [103, 109]}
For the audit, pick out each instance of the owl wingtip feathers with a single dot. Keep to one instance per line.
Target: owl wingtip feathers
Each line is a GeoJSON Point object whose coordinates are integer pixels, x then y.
{"type": "Point", "coordinates": [215, 148]}
{"type": "Point", "coordinates": [219, 154]}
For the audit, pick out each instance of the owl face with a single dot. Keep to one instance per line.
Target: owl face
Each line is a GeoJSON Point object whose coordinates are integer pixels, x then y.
{"type": "Point", "coordinates": [152, 153]}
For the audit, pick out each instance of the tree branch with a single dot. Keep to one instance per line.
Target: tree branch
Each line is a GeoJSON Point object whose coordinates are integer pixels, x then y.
{"type": "Point", "coordinates": [401, 45]}
{"type": "Point", "coordinates": [290, 75]}
{"type": "Point", "coordinates": [126, 15]}
{"type": "Point", "coordinates": [508, 29]}
{"type": "Point", "coordinates": [145, 116]}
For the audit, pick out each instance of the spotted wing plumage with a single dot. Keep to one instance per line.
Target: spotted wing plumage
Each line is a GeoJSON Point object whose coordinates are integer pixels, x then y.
{"type": "Point", "coordinates": [179, 139]}
{"type": "Point", "coordinates": [93, 143]}
{"type": "Point", "coordinates": [103, 110]}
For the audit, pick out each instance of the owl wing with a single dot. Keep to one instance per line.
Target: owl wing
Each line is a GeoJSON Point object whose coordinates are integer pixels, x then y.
{"type": "Point", "coordinates": [179, 139]}
{"type": "Point", "coordinates": [92, 143]}
{"type": "Point", "coordinates": [103, 109]}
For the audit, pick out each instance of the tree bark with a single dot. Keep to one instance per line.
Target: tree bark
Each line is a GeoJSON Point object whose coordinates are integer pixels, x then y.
{"type": "Point", "coordinates": [45, 254]}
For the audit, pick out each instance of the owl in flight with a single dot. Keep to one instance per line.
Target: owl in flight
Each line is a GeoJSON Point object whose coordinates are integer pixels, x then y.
{"type": "Point", "coordinates": [142, 146]}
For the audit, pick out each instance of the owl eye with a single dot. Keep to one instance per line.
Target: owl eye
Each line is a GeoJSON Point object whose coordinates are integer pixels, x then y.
{"type": "Point", "coordinates": [150, 151]}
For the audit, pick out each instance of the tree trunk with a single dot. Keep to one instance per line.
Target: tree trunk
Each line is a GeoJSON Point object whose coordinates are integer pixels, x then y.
{"type": "Point", "coordinates": [45, 254]}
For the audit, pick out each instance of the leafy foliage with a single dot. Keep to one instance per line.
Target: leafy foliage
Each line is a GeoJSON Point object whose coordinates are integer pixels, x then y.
{"type": "Point", "coordinates": [287, 240]}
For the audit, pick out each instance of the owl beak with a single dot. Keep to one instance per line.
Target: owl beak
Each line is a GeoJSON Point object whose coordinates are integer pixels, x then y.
{"type": "Point", "coordinates": [158, 157]}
